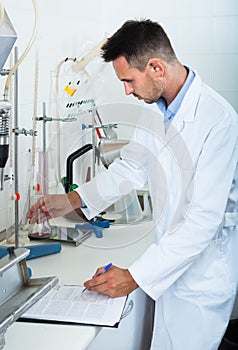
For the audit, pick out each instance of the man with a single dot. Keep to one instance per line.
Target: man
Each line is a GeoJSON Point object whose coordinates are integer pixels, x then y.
{"type": "Point", "coordinates": [190, 270]}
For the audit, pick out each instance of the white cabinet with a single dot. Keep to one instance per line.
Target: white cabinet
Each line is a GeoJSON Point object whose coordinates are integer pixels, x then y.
{"type": "Point", "coordinates": [135, 329]}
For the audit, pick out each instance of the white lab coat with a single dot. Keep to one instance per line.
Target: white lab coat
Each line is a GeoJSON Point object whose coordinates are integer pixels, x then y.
{"type": "Point", "coordinates": [191, 270]}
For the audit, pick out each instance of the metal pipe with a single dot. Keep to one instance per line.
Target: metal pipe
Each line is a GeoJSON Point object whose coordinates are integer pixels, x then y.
{"type": "Point", "coordinates": [44, 150]}
{"type": "Point", "coordinates": [16, 152]}
{"type": "Point", "coordinates": [94, 144]}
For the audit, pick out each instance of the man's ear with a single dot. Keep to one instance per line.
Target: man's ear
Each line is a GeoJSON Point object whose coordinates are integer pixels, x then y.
{"type": "Point", "coordinates": [156, 67]}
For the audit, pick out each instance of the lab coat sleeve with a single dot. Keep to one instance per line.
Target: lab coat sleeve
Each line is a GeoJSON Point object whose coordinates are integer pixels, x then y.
{"type": "Point", "coordinates": [123, 176]}
{"type": "Point", "coordinates": [164, 262]}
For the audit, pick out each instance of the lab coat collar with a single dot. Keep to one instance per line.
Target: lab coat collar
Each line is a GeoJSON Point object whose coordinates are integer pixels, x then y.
{"type": "Point", "coordinates": [187, 110]}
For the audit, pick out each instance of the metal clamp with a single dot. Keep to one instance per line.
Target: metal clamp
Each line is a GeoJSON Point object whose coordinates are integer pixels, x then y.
{"type": "Point", "coordinates": [25, 132]}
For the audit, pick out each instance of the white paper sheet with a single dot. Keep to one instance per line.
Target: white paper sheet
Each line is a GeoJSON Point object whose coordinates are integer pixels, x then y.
{"type": "Point", "coordinates": [67, 303]}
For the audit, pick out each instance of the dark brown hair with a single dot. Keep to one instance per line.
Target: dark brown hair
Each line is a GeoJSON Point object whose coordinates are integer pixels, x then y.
{"type": "Point", "coordinates": [138, 42]}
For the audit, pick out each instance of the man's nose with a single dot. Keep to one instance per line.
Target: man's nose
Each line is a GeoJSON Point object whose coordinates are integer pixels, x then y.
{"type": "Point", "coordinates": [128, 89]}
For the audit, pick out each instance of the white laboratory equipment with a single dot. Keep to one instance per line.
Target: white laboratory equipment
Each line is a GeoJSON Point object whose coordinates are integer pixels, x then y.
{"type": "Point", "coordinates": [18, 290]}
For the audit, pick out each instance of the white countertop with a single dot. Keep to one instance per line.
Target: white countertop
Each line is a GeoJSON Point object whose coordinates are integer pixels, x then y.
{"type": "Point", "coordinates": [74, 265]}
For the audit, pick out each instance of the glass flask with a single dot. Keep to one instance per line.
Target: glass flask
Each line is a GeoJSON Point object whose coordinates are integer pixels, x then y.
{"type": "Point", "coordinates": [40, 229]}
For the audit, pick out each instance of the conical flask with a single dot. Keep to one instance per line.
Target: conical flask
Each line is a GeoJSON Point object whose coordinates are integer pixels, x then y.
{"type": "Point", "coordinates": [40, 229]}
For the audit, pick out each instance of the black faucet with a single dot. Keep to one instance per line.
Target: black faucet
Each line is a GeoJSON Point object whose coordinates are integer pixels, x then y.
{"type": "Point", "coordinates": [69, 164]}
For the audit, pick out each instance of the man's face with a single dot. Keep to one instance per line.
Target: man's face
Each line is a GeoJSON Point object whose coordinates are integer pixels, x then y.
{"type": "Point", "coordinates": [143, 85]}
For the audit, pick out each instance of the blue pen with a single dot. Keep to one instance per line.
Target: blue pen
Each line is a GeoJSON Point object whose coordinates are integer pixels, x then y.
{"type": "Point", "coordinates": [106, 268]}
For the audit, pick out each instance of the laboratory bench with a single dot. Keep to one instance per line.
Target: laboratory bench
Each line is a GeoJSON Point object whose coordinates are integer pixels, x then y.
{"type": "Point", "coordinates": [120, 245]}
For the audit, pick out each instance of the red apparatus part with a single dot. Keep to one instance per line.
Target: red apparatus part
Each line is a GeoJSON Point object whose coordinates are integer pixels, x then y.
{"type": "Point", "coordinates": [17, 196]}
{"type": "Point", "coordinates": [38, 187]}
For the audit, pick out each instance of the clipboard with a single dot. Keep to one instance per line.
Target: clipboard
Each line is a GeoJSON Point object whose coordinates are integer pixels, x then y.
{"type": "Point", "coordinates": [66, 304]}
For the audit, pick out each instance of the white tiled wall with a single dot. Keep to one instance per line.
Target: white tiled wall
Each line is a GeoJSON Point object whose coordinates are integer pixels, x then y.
{"type": "Point", "coordinates": [204, 34]}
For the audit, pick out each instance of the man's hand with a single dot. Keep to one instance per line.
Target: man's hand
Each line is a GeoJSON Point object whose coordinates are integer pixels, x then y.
{"type": "Point", "coordinates": [115, 282]}
{"type": "Point", "coordinates": [55, 205]}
